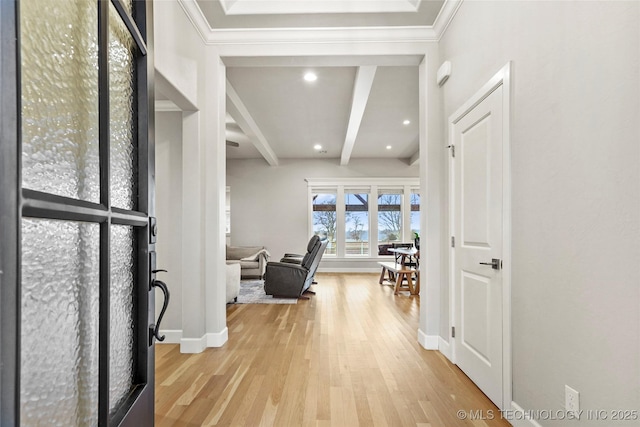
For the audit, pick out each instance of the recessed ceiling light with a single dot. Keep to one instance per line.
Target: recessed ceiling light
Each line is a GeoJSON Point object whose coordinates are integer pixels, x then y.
{"type": "Point", "coordinates": [317, 147]}
{"type": "Point", "coordinates": [388, 147]}
{"type": "Point", "coordinates": [310, 77]}
{"type": "Point", "coordinates": [406, 122]}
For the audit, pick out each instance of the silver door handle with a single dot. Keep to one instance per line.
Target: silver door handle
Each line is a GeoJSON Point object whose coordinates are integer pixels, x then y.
{"type": "Point", "coordinates": [495, 263]}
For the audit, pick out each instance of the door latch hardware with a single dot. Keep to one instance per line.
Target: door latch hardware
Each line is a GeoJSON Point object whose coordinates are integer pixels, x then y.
{"type": "Point", "coordinates": [153, 229]}
{"type": "Point", "coordinates": [453, 150]}
{"type": "Point", "coordinates": [154, 329]}
{"type": "Point", "coordinates": [495, 263]}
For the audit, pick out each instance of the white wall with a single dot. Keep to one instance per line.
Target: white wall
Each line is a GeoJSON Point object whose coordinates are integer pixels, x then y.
{"type": "Point", "coordinates": [269, 204]}
{"type": "Point", "coordinates": [433, 209]}
{"type": "Point", "coordinates": [169, 214]}
{"type": "Point", "coordinates": [576, 190]}
{"type": "Point", "coordinates": [191, 75]}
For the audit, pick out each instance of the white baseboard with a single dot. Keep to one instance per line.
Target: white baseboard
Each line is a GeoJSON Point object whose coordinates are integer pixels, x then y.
{"type": "Point", "coordinates": [429, 342]}
{"type": "Point", "coordinates": [198, 345]}
{"type": "Point", "coordinates": [217, 339]}
{"type": "Point", "coordinates": [518, 417]}
{"type": "Point", "coordinates": [193, 345]}
{"type": "Point", "coordinates": [445, 348]}
{"type": "Point", "coordinates": [171, 336]}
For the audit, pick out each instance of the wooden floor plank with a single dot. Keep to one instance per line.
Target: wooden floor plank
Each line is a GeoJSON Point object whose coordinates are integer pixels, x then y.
{"type": "Point", "coordinates": [348, 356]}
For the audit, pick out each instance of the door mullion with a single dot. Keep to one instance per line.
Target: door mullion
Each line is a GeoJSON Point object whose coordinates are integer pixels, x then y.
{"type": "Point", "coordinates": [9, 218]}
{"type": "Point", "coordinates": [105, 200]}
{"type": "Point", "coordinates": [131, 26]}
{"type": "Point", "coordinates": [36, 204]}
{"type": "Point", "coordinates": [122, 217]}
{"type": "Point", "coordinates": [145, 119]}
{"type": "Point", "coordinates": [104, 329]}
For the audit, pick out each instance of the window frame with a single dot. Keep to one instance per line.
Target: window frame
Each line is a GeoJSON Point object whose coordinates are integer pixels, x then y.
{"type": "Point", "coordinates": [339, 186]}
{"type": "Point", "coordinates": [392, 191]}
{"type": "Point", "coordinates": [416, 191]}
{"type": "Point", "coordinates": [319, 191]}
{"type": "Point", "coordinates": [357, 190]}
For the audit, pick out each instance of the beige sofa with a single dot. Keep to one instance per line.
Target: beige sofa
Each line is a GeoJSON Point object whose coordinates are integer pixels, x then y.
{"type": "Point", "coordinates": [252, 259]}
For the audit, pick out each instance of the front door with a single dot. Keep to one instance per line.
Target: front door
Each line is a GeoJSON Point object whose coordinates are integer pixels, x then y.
{"type": "Point", "coordinates": [477, 223]}
{"type": "Point", "coordinates": [76, 213]}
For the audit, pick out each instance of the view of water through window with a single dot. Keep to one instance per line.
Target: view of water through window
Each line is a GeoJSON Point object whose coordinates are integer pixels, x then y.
{"type": "Point", "coordinates": [389, 217]}
{"type": "Point", "coordinates": [324, 219]}
{"type": "Point", "coordinates": [358, 219]}
{"type": "Point", "coordinates": [356, 223]}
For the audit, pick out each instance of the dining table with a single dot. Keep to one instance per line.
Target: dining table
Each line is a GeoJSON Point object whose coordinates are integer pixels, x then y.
{"type": "Point", "coordinates": [406, 256]}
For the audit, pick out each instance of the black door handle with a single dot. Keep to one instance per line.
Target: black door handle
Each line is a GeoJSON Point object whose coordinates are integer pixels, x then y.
{"type": "Point", "coordinates": [154, 330]}
{"type": "Point", "coordinates": [495, 263]}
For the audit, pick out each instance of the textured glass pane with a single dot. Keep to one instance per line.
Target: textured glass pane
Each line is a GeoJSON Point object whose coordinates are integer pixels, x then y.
{"type": "Point", "coordinates": [59, 351]}
{"type": "Point", "coordinates": [128, 6]}
{"type": "Point", "coordinates": [60, 97]}
{"type": "Point", "coordinates": [121, 80]}
{"type": "Point", "coordinates": [122, 326]}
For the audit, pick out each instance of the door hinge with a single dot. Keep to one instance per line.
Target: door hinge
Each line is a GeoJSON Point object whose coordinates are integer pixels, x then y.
{"type": "Point", "coordinates": [453, 242]}
{"type": "Point", "coordinates": [453, 332]}
{"type": "Point", "coordinates": [453, 150]}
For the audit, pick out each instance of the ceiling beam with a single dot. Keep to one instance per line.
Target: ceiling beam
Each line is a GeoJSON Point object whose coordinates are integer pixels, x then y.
{"type": "Point", "coordinates": [241, 115]}
{"type": "Point", "coordinates": [361, 91]}
{"type": "Point", "coordinates": [169, 91]}
{"type": "Point", "coordinates": [413, 160]}
{"type": "Point", "coordinates": [166, 105]}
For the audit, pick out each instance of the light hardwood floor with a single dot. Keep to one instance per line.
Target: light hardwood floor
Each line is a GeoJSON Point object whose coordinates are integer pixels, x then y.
{"type": "Point", "coordinates": [349, 356]}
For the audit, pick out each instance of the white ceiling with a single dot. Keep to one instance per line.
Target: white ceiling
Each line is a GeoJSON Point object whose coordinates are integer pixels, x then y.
{"type": "Point", "coordinates": [357, 106]}
{"type": "Point", "coordinates": [319, 13]}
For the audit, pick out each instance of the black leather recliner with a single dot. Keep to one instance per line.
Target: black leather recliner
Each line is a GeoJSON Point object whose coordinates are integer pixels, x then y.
{"type": "Point", "coordinates": [290, 279]}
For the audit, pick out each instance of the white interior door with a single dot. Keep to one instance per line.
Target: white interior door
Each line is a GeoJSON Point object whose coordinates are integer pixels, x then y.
{"type": "Point", "coordinates": [478, 230]}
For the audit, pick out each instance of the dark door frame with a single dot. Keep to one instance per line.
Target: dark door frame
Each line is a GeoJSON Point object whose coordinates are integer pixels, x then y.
{"type": "Point", "coordinates": [9, 179]}
{"type": "Point", "coordinates": [16, 203]}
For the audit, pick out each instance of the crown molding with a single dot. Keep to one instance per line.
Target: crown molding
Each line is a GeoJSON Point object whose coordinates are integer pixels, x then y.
{"type": "Point", "coordinates": [286, 7]}
{"type": "Point", "coordinates": [223, 4]}
{"type": "Point", "coordinates": [381, 182]}
{"type": "Point", "coordinates": [265, 36]}
{"type": "Point", "coordinates": [197, 18]}
{"type": "Point", "coordinates": [444, 18]}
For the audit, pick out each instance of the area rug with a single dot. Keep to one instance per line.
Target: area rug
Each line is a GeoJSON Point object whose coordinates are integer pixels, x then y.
{"type": "Point", "coordinates": [252, 292]}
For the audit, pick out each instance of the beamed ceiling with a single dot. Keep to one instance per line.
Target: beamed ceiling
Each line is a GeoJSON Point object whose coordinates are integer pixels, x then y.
{"type": "Point", "coordinates": [365, 107]}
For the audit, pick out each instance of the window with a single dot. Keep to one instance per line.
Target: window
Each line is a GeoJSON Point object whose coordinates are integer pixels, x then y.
{"type": "Point", "coordinates": [390, 216]}
{"type": "Point", "coordinates": [359, 214]}
{"type": "Point", "coordinates": [415, 212]}
{"type": "Point", "coordinates": [356, 219]}
{"type": "Point", "coordinates": [325, 219]}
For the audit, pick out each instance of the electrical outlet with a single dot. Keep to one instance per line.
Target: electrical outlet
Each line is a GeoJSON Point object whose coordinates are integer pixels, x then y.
{"type": "Point", "coordinates": [571, 400]}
